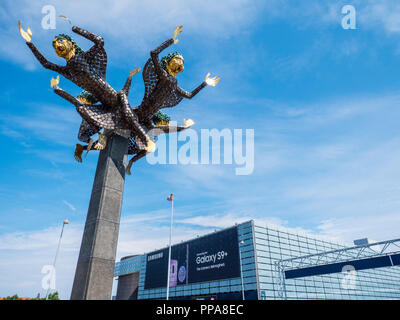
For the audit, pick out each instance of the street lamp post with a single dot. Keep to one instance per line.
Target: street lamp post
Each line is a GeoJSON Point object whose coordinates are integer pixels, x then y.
{"type": "Point", "coordinates": [58, 249]}
{"type": "Point", "coordinates": [170, 198]}
{"type": "Point", "coordinates": [241, 272]}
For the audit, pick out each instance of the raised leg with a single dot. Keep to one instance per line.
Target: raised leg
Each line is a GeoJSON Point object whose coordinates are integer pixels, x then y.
{"type": "Point", "coordinates": [138, 156]}
{"type": "Point", "coordinates": [132, 119]}
{"type": "Point", "coordinates": [78, 152]}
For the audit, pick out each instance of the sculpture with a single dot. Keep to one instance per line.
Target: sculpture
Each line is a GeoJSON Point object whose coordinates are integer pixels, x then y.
{"type": "Point", "coordinates": [88, 70]}
{"type": "Point", "coordinates": [96, 116]}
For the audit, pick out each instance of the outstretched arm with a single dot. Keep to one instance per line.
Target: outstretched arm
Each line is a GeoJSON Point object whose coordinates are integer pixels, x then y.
{"type": "Point", "coordinates": [27, 36]}
{"type": "Point", "coordinates": [160, 129]}
{"type": "Point", "coordinates": [96, 55]}
{"type": "Point", "coordinates": [128, 82]}
{"type": "Point", "coordinates": [68, 97]}
{"type": "Point", "coordinates": [99, 41]}
{"type": "Point", "coordinates": [207, 82]}
{"type": "Point", "coordinates": [54, 84]}
{"type": "Point", "coordinates": [190, 95]}
{"type": "Point", "coordinates": [44, 62]}
{"type": "Point", "coordinates": [154, 54]}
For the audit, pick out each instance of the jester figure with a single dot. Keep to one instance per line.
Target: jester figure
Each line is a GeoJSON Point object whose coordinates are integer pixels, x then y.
{"type": "Point", "coordinates": [88, 71]}
{"type": "Point", "coordinates": [161, 87]}
{"type": "Point", "coordinates": [161, 91]}
{"type": "Point", "coordinates": [94, 116]}
{"type": "Point", "coordinates": [89, 109]}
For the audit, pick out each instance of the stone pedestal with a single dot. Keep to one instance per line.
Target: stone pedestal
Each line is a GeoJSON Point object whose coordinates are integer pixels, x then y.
{"type": "Point", "coordinates": [95, 268]}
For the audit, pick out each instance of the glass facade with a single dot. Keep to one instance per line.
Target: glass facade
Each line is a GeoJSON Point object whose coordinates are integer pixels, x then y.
{"type": "Point", "coordinates": [273, 244]}
{"type": "Point", "coordinates": [261, 246]}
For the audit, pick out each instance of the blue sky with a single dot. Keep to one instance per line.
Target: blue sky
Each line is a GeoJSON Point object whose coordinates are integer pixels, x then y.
{"type": "Point", "coordinates": [323, 101]}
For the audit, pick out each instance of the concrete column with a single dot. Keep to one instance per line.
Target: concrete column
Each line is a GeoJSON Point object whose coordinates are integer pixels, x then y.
{"type": "Point", "coordinates": [95, 268]}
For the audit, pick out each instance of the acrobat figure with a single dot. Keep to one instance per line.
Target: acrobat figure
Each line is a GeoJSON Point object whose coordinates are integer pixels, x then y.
{"type": "Point", "coordinates": [161, 86]}
{"type": "Point", "coordinates": [96, 115]}
{"type": "Point", "coordinates": [87, 69]}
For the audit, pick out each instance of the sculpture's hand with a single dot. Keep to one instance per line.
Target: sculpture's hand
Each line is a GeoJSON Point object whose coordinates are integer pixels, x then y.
{"type": "Point", "coordinates": [188, 123]}
{"type": "Point", "coordinates": [27, 35]}
{"type": "Point", "coordinates": [212, 81]}
{"type": "Point", "coordinates": [151, 146]}
{"type": "Point", "coordinates": [177, 31]}
{"type": "Point", "coordinates": [133, 72]}
{"type": "Point", "coordinates": [54, 82]}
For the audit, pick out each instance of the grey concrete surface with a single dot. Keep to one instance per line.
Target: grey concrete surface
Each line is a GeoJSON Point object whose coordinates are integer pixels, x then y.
{"type": "Point", "coordinates": [94, 272]}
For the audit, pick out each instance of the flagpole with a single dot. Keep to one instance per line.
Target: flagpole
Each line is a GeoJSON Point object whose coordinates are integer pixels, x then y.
{"type": "Point", "coordinates": [170, 198]}
{"type": "Point", "coordinates": [55, 258]}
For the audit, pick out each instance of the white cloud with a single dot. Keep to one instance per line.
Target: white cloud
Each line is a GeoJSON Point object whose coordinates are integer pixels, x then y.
{"type": "Point", "coordinates": [376, 228]}
{"type": "Point", "coordinates": [215, 221]}
{"type": "Point", "coordinates": [23, 255]}
{"type": "Point", "coordinates": [380, 15]}
{"type": "Point", "coordinates": [128, 26]}
{"type": "Point", "coordinates": [46, 122]}
{"type": "Point", "coordinates": [69, 205]}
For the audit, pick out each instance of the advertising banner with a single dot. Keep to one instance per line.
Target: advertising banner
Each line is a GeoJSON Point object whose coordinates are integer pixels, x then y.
{"type": "Point", "coordinates": [209, 258]}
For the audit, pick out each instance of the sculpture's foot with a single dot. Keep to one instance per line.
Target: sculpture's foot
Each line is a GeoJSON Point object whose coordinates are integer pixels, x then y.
{"type": "Point", "coordinates": [101, 143]}
{"type": "Point", "coordinates": [78, 152]}
{"type": "Point", "coordinates": [151, 147]}
{"type": "Point", "coordinates": [89, 146]}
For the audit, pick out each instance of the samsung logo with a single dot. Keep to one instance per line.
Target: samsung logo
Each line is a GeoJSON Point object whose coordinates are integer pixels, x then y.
{"type": "Point", "coordinates": [155, 256]}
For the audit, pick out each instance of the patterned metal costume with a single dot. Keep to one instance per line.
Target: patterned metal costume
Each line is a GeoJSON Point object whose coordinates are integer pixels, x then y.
{"type": "Point", "coordinates": [88, 71]}
{"type": "Point", "coordinates": [161, 91]}
{"type": "Point", "coordinates": [161, 88]}
{"type": "Point", "coordinates": [115, 121]}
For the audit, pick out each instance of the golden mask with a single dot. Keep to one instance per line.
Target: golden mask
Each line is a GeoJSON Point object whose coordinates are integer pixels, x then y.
{"type": "Point", "coordinates": [84, 100]}
{"type": "Point", "coordinates": [64, 48]}
{"type": "Point", "coordinates": [175, 65]}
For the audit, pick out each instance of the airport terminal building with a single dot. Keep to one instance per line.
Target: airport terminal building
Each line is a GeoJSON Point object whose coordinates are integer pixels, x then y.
{"type": "Point", "coordinates": [260, 262]}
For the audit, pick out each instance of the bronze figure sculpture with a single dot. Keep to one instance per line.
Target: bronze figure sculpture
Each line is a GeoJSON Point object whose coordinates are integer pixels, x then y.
{"type": "Point", "coordinates": [102, 107]}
